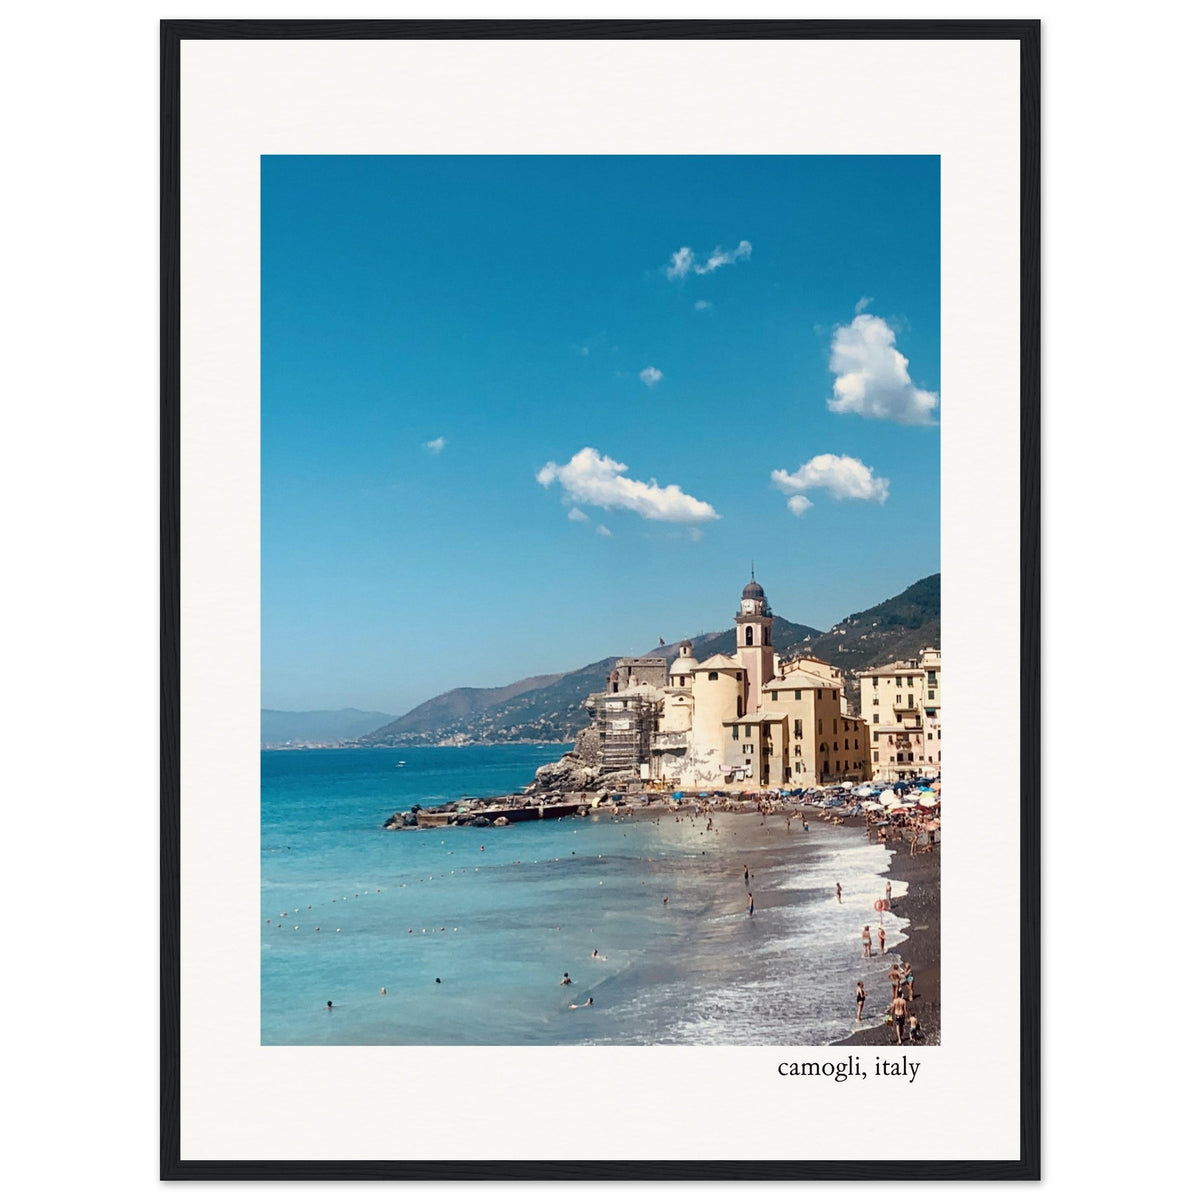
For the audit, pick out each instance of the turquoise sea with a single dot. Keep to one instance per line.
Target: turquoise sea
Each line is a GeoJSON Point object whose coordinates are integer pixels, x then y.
{"type": "Point", "coordinates": [499, 915]}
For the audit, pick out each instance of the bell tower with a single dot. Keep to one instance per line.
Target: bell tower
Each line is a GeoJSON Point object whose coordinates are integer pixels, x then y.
{"type": "Point", "coordinates": [752, 624]}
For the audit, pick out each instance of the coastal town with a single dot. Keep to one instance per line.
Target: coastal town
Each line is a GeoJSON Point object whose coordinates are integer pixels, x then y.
{"type": "Point", "coordinates": [754, 734]}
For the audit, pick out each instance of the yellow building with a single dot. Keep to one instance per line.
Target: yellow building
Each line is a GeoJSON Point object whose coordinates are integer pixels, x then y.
{"type": "Point", "coordinates": [748, 721]}
{"type": "Point", "coordinates": [902, 704]}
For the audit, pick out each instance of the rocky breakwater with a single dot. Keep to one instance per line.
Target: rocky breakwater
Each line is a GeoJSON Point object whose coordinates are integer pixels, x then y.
{"type": "Point", "coordinates": [577, 774]}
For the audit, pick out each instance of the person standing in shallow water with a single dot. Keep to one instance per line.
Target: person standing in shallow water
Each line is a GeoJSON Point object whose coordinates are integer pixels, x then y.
{"type": "Point", "coordinates": [860, 998]}
{"type": "Point", "coordinates": [866, 941]}
{"type": "Point", "coordinates": [838, 888]}
{"type": "Point", "coordinates": [881, 937]}
{"type": "Point", "coordinates": [746, 872]}
{"type": "Point", "coordinates": [750, 909]}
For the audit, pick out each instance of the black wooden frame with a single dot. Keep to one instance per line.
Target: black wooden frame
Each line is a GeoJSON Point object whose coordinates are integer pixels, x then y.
{"type": "Point", "coordinates": [1028, 1165]}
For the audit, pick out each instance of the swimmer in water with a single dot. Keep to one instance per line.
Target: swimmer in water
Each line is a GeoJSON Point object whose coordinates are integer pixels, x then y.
{"type": "Point", "coordinates": [565, 980]}
{"type": "Point", "coordinates": [587, 1005]}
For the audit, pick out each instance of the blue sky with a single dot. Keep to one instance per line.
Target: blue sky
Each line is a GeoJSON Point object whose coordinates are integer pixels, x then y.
{"type": "Point", "coordinates": [519, 414]}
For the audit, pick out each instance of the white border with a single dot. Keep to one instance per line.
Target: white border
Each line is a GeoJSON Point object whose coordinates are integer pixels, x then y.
{"type": "Point", "coordinates": [242, 99]}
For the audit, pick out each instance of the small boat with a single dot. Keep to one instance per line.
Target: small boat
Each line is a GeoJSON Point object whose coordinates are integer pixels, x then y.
{"type": "Point", "coordinates": [400, 763]}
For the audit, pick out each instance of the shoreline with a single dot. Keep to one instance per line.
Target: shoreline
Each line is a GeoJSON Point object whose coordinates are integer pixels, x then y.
{"type": "Point", "coordinates": [921, 905]}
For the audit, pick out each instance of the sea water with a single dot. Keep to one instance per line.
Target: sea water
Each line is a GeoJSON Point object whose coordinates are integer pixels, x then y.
{"type": "Point", "coordinates": [372, 919]}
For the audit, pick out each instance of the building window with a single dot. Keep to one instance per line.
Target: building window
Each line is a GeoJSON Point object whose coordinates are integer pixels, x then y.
{"type": "Point", "coordinates": [875, 719]}
{"type": "Point", "coordinates": [820, 727]}
{"type": "Point", "coordinates": [774, 695]}
{"type": "Point", "coordinates": [713, 674]}
{"type": "Point", "coordinates": [874, 737]}
{"type": "Point", "coordinates": [797, 693]}
{"type": "Point", "coordinates": [798, 728]}
{"type": "Point", "coordinates": [750, 636]}
{"type": "Point", "coordinates": [875, 756]}
{"type": "Point", "coordinates": [874, 699]}
{"type": "Point", "coordinates": [818, 693]}
{"type": "Point", "coordinates": [932, 694]}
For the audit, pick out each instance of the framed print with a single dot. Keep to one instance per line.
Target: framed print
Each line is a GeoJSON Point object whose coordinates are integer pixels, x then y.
{"type": "Point", "coordinates": [592, 451]}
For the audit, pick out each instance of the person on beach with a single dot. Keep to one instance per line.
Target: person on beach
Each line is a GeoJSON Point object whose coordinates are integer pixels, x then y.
{"type": "Point", "coordinates": [898, 1009]}
{"type": "Point", "coordinates": [805, 820]}
{"type": "Point", "coordinates": [866, 941]}
{"type": "Point", "coordinates": [907, 973]}
{"type": "Point", "coordinates": [860, 998]}
{"type": "Point", "coordinates": [887, 893]}
{"type": "Point", "coordinates": [838, 887]}
{"type": "Point", "coordinates": [746, 872]}
{"type": "Point", "coordinates": [881, 941]}
{"type": "Point", "coordinates": [914, 1027]}
{"type": "Point", "coordinates": [750, 911]}
{"type": "Point", "coordinates": [894, 978]}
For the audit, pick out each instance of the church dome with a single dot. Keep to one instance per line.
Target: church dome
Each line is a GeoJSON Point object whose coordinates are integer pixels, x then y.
{"type": "Point", "coordinates": [685, 664]}
{"type": "Point", "coordinates": [753, 591]}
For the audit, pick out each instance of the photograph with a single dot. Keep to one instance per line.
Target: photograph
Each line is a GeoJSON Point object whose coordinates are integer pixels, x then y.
{"type": "Point", "coordinates": [586, 447]}
{"type": "Point", "coordinates": [601, 601]}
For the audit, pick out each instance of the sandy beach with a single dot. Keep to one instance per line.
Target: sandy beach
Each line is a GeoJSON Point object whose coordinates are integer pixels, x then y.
{"type": "Point", "coordinates": [920, 905]}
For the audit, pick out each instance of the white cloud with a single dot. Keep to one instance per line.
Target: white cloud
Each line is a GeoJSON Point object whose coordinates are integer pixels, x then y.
{"type": "Point", "coordinates": [436, 446]}
{"type": "Point", "coordinates": [577, 514]}
{"type": "Point", "coordinates": [603, 531]}
{"type": "Point", "coordinates": [872, 375]}
{"type": "Point", "coordinates": [593, 478]}
{"type": "Point", "coordinates": [683, 261]}
{"type": "Point", "coordinates": [722, 258]}
{"type": "Point", "coordinates": [703, 305]}
{"type": "Point", "coordinates": [863, 304]}
{"type": "Point", "coordinates": [650, 376]}
{"type": "Point", "coordinates": [842, 477]}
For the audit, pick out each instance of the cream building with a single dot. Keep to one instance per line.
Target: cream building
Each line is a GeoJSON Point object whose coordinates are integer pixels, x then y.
{"type": "Point", "coordinates": [902, 705]}
{"type": "Point", "coordinates": [736, 722]}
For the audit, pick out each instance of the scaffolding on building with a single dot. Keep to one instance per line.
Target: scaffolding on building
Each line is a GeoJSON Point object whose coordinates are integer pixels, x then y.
{"type": "Point", "coordinates": [626, 728]}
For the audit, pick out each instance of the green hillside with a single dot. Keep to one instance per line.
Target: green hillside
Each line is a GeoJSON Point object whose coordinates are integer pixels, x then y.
{"type": "Point", "coordinates": [551, 707]}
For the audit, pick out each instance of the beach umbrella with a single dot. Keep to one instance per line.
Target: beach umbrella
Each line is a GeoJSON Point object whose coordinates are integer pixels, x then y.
{"type": "Point", "coordinates": [872, 806]}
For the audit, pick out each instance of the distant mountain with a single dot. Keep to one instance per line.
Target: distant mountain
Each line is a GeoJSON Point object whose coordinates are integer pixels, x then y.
{"type": "Point", "coordinates": [546, 708]}
{"type": "Point", "coordinates": [543, 708]}
{"type": "Point", "coordinates": [279, 728]}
